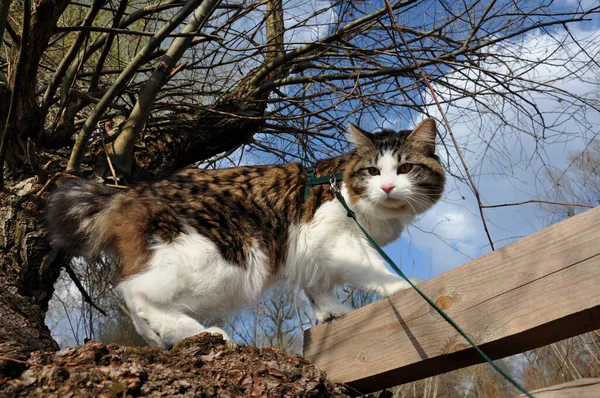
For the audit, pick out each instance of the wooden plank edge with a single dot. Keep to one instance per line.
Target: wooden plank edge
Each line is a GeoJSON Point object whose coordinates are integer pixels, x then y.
{"type": "Point", "coordinates": [582, 388]}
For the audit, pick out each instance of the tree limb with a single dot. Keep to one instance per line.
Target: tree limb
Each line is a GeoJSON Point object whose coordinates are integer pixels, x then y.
{"type": "Point", "coordinates": [121, 150]}
{"type": "Point", "coordinates": [121, 82]}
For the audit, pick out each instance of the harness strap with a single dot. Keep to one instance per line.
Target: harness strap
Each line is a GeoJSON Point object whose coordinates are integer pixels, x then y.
{"type": "Point", "coordinates": [314, 181]}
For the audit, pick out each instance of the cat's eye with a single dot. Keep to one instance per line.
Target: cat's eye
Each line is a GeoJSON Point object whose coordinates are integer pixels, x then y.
{"type": "Point", "coordinates": [405, 168]}
{"type": "Point", "coordinates": [374, 171]}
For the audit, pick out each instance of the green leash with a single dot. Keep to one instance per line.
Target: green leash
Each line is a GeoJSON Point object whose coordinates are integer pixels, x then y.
{"type": "Point", "coordinates": [332, 179]}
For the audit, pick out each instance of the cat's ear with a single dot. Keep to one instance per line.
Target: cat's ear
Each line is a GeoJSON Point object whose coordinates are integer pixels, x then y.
{"type": "Point", "coordinates": [360, 138]}
{"type": "Point", "coordinates": [423, 136]}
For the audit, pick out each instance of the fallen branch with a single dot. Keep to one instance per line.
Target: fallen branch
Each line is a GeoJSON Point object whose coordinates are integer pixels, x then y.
{"type": "Point", "coordinates": [84, 294]}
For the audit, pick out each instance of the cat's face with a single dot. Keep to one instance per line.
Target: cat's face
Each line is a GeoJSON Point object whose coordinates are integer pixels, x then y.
{"type": "Point", "coordinates": [396, 170]}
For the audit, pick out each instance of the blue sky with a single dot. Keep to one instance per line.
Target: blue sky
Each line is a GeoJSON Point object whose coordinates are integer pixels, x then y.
{"type": "Point", "coordinates": [508, 164]}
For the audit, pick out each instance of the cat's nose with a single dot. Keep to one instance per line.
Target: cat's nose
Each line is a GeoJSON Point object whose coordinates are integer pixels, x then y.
{"type": "Point", "coordinates": [387, 188]}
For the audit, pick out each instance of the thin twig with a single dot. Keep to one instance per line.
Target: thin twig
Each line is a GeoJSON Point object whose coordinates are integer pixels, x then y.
{"type": "Point", "coordinates": [72, 177]}
{"type": "Point", "coordinates": [115, 186]}
{"type": "Point", "coordinates": [51, 180]}
{"type": "Point", "coordinates": [348, 296]}
{"type": "Point", "coordinates": [119, 302]}
{"type": "Point", "coordinates": [110, 165]}
{"type": "Point", "coordinates": [205, 36]}
{"type": "Point", "coordinates": [28, 363]}
{"type": "Point", "coordinates": [84, 294]}
{"type": "Point", "coordinates": [94, 100]}
{"type": "Point", "coordinates": [538, 201]}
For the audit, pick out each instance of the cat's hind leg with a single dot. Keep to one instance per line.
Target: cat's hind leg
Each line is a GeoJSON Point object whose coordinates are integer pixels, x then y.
{"type": "Point", "coordinates": [186, 278]}
{"type": "Point", "coordinates": [162, 325]}
{"type": "Point", "coordinates": [325, 304]}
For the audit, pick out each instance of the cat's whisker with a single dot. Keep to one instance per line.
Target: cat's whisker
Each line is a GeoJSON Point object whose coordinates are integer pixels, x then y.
{"type": "Point", "coordinates": [409, 203]}
{"type": "Point", "coordinates": [420, 202]}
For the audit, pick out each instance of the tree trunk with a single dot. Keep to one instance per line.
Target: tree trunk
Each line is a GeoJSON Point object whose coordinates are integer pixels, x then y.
{"type": "Point", "coordinates": [28, 270]}
{"type": "Point", "coordinates": [207, 133]}
{"type": "Point", "coordinates": [27, 120]}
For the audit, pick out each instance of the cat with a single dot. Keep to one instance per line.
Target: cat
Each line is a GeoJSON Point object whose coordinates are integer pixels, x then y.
{"type": "Point", "coordinates": [204, 242]}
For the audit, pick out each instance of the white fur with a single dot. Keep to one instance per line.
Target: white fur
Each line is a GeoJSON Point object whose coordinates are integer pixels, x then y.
{"type": "Point", "coordinates": [188, 278]}
{"type": "Point", "coordinates": [388, 166]}
{"type": "Point", "coordinates": [331, 251]}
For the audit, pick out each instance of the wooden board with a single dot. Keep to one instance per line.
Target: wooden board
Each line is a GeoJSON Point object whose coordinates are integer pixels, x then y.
{"type": "Point", "coordinates": [583, 388]}
{"type": "Point", "coordinates": [538, 290]}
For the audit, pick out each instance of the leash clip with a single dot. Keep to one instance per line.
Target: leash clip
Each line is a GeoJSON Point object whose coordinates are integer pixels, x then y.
{"type": "Point", "coordinates": [332, 184]}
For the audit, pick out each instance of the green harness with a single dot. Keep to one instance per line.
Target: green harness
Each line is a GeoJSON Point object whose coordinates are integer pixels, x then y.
{"type": "Point", "coordinates": [314, 181]}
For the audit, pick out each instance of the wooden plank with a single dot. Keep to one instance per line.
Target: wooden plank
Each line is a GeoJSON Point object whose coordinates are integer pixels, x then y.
{"type": "Point", "coordinates": [538, 290]}
{"type": "Point", "coordinates": [583, 388]}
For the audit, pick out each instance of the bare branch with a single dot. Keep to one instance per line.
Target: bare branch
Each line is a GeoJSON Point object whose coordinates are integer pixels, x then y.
{"type": "Point", "coordinates": [69, 57]}
{"type": "Point", "coordinates": [538, 201]}
{"type": "Point", "coordinates": [84, 294]}
{"type": "Point", "coordinates": [86, 131]}
{"type": "Point", "coordinates": [122, 147]}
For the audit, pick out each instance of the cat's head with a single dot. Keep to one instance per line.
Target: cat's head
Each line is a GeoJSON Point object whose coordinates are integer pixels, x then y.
{"type": "Point", "coordinates": [395, 170]}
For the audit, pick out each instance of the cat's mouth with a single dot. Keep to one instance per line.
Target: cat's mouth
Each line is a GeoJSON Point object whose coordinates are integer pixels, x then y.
{"type": "Point", "coordinates": [393, 203]}
{"type": "Point", "coordinates": [398, 204]}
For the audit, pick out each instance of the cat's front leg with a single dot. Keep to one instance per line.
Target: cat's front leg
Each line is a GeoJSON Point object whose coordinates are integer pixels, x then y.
{"type": "Point", "coordinates": [396, 284]}
{"type": "Point", "coordinates": [325, 304]}
{"type": "Point", "coordinates": [362, 267]}
{"type": "Point", "coordinates": [379, 281]}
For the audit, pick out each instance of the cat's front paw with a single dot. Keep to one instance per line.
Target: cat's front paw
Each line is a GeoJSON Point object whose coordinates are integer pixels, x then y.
{"type": "Point", "coordinates": [397, 286]}
{"type": "Point", "coordinates": [329, 313]}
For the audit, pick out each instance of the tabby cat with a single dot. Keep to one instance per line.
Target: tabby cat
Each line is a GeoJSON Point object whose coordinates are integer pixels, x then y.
{"type": "Point", "coordinates": [203, 242]}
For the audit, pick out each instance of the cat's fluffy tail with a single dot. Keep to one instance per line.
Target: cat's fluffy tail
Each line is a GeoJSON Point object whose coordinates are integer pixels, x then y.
{"type": "Point", "coordinates": [79, 217]}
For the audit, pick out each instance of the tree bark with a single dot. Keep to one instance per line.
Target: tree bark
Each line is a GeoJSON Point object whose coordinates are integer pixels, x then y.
{"type": "Point", "coordinates": [205, 134]}
{"type": "Point", "coordinates": [28, 270]}
{"type": "Point", "coordinates": [200, 366]}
